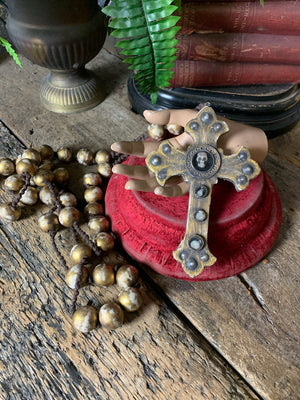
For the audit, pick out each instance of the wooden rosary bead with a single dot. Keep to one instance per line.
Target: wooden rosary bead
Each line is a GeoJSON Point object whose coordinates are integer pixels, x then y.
{"type": "Point", "coordinates": [30, 197]}
{"type": "Point", "coordinates": [46, 152]}
{"type": "Point", "coordinates": [68, 216]}
{"type": "Point", "coordinates": [61, 175]}
{"type": "Point", "coordinates": [85, 319]}
{"type": "Point", "coordinates": [13, 183]}
{"type": "Point", "coordinates": [127, 275]}
{"type": "Point", "coordinates": [47, 165]}
{"type": "Point", "coordinates": [156, 132]}
{"type": "Point", "coordinates": [8, 214]}
{"type": "Point", "coordinates": [46, 196]}
{"type": "Point", "coordinates": [104, 275]}
{"type": "Point", "coordinates": [92, 179]}
{"type": "Point", "coordinates": [33, 155]}
{"type": "Point", "coordinates": [105, 241]}
{"type": "Point", "coordinates": [111, 316]}
{"type": "Point", "coordinates": [84, 157]}
{"type": "Point", "coordinates": [130, 299]}
{"type": "Point", "coordinates": [7, 167]}
{"type": "Point", "coordinates": [175, 129]}
{"type": "Point", "coordinates": [43, 176]}
{"type": "Point", "coordinates": [73, 274]}
{"type": "Point", "coordinates": [98, 224]}
{"type": "Point", "coordinates": [105, 169]}
{"type": "Point", "coordinates": [64, 154]}
{"type": "Point", "coordinates": [102, 156]}
{"type": "Point", "coordinates": [26, 165]}
{"type": "Point", "coordinates": [93, 209]}
{"type": "Point", "coordinates": [79, 252]}
{"type": "Point", "coordinates": [68, 199]}
{"type": "Point", "coordinates": [93, 194]}
{"type": "Point", "coordinates": [48, 222]}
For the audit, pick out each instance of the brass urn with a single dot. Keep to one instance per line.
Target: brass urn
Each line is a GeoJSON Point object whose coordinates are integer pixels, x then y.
{"type": "Point", "coordinates": [61, 35]}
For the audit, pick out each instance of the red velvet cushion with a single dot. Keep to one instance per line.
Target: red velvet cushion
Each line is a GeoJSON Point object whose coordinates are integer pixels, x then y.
{"type": "Point", "coordinates": [243, 225]}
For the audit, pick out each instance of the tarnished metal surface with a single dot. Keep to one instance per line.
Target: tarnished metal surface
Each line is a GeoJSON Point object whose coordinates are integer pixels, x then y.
{"type": "Point", "coordinates": [201, 166]}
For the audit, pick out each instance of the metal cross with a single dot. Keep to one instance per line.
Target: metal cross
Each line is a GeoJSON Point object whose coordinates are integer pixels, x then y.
{"type": "Point", "coordinates": [201, 165]}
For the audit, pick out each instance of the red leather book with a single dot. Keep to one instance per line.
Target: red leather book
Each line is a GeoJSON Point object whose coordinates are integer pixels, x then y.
{"type": "Point", "coordinates": [239, 47]}
{"type": "Point", "coordinates": [276, 16]}
{"type": "Point", "coordinates": [209, 73]}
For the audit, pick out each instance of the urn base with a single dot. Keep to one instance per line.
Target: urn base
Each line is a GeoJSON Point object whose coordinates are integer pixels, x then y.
{"type": "Point", "coordinates": [68, 92]}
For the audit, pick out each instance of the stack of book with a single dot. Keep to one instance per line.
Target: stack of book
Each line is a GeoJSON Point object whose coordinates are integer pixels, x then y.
{"type": "Point", "coordinates": [238, 42]}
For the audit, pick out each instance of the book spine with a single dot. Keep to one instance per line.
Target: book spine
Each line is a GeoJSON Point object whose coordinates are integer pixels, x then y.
{"type": "Point", "coordinates": [204, 73]}
{"type": "Point", "coordinates": [278, 17]}
{"type": "Point", "coordinates": [239, 47]}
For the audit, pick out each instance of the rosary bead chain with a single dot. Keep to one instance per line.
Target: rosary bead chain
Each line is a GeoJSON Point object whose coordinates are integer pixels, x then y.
{"type": "Point", "coordinates": [38, 168]}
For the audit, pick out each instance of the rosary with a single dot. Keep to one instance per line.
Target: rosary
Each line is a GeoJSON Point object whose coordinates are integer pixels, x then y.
{"type": "Point", "coordinates": [38, 175]}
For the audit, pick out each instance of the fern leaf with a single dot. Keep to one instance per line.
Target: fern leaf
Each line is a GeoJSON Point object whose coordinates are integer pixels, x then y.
{"type": "Point", "coordinates": [10, 51]}
{"type": "Point", "coordinates": [147, 28]}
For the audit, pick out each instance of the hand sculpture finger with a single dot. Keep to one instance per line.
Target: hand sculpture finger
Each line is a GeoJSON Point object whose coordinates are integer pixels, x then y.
{"type": "Point", "coordinates": [172, 191]}
{"type": "Point", "coordinates": [142, 185]}
{"type": "Point", "coordinates": [133, 171]}
{"type": "Point", "coordinates": [138, 149]}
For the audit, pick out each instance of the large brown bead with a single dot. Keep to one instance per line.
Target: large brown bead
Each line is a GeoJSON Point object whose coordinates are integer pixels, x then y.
{"type": "Point", "coordinates": [155, 131]}
{"type": "Point", "coordinates": [111, 316]}
{"type": "Point", "coordinates": [84, 157]}
{"type": "Point", "coordinates": [130, 299]}
{"type": "Point", "coordinates": [105, 241]}
{"type": "Point", "coordinates": [8, 214]}
{"type": "Point", "coordinates": [46, 196]}
{"type": "Point", "coordinates": [92, 179]}
{"type": "Point", "coordinates": [93, 209]}
{"type": "Point", "coordinates": [43, 176]}
{"type": "Point", "coordinates": [13, 183]}
{"type": "Point", "coordinates": [64, 154]}
{"type": "Point", "coordinates": [7, 167]}
{"type": "Point", "coordinates": [26, 165]}
{"type": "Point", "coordinates": [47, 165]}
{"type": "Point", "coordinates": [105, 169]}
{"type": "Point", "coordinates": [30, 197]}
{"type": "Point", "coordinates": [127, 275]}
{"type": "Point", "coordinates": [98, 224]}
{"type": "Point", "coordinates": [93, 194]}
{"type": "Point", "coordinates": [46, 152]}
{"type": "Point", "coordinates": [32, 154]}
{"type": "Point", "coordinates": [85, 319]}
{"type": "Point", "coordinates": [103, 275]}
{"type": "Point", "coordinates": [79, 252]}
{"type": "Point", "coordinates": [68, 199]}
{"type": "Point", "coordinates": [102, 156]}
{"type": "Point", "coordinates": [73, 274]}
{"type": "Point", "coordinates": [48, 222]}
{"type": "Point", "coordinates": [61, 175]}
{"type": "Point", "coordinates": [68, 216]}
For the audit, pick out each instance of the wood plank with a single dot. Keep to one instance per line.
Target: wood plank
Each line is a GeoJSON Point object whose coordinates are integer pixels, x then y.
{"type": "Point", "coordinates": [22, 112]}
{"type": "Point", "coordinates": [155, 355]}
{"type": "Point", "coordinates": [231, 314]}
{"type": "Point", "coordinates": [287, 146]}
{"type": "Point", "coordinates": [253, 319]}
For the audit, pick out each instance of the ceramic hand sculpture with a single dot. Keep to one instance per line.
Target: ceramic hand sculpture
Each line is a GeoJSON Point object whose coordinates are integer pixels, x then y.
{"type": "Point", "coordinates": [201, 165]}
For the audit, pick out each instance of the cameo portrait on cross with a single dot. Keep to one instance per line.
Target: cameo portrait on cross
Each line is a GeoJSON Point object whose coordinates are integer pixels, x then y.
{"type": "Point", "coordinates": [201, 165]}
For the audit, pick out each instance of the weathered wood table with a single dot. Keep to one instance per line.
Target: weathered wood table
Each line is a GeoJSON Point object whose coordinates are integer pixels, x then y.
{"type": "Point", "coordinates": [232, 339]}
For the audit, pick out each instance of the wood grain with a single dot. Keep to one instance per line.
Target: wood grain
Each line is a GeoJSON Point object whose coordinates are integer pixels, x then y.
{"type": "Point", "coordinates": [155, 355]}
{"type": "Point", "coordinates": [253, 319]}
{"type": "Point", "coordinates": [216, 340]}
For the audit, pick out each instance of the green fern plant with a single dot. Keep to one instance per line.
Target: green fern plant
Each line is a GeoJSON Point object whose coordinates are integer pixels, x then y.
{"type": "Point", "coordinates": [6, 44]}
{"type": "Point", "coordinates": [10, 51]}
{"type": "Point", "coordinates": [148, 27]}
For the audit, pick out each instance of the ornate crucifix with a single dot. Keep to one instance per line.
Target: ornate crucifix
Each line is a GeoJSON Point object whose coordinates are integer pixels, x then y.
{"type": "Point", "coordinates": [201, 166]}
